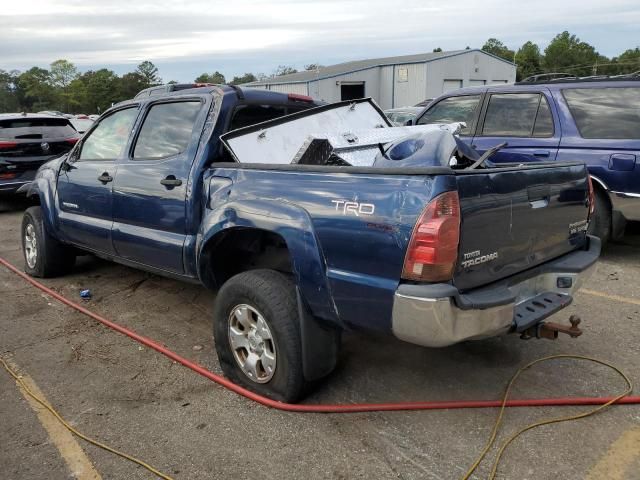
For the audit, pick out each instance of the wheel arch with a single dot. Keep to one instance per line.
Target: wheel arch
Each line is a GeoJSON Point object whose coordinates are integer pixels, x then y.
{"type": "Point", "coordinates": [272, 235]}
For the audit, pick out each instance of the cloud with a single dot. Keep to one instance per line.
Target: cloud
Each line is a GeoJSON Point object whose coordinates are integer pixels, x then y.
{"type": "Point", "coordinates": [233, 34]}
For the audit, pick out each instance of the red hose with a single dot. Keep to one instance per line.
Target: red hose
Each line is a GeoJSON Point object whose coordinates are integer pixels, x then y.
{"type": "Point", "coordinates": [324, 408]}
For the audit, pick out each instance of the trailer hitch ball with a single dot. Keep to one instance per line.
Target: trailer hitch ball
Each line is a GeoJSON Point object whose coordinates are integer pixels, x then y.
{"type": "Point", "coordinates": [550, 330]}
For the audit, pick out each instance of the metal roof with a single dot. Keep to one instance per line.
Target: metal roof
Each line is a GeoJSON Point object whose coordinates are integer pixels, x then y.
{"type": "Point", "coordinates": [358, 65]}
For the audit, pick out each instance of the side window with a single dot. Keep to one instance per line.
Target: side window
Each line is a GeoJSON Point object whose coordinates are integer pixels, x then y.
{"type": "Point", "coordinates": [245, 115]}
{"type": "Point", "coordinates": [609, 113]}
{"type": "Point", "coordinates": [518, 115]}
{"type": "Point", "coordinates": [452, 109]}
{"type": "Point", "coordinates": [166, 130]}
{"type": "Point", "coordinates": [108, 140]}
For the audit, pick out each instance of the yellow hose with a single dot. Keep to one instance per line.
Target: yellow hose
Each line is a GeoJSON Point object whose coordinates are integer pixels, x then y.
{"type": "Point", "coordinates": [567, 418]}
{"type": "Point", "coordinates": [76, 432]}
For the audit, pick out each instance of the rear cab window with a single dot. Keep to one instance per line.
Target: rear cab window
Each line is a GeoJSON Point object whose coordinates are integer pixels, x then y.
{"type": "Point", "coordinates": [250, 114]}
{"type": "Point", "coordinates": [517, 115]}
{"type": "Point", "coordinates": [36, 128]}
{"type": "Point", "coordinates": [166, 130]}
{"type": "Point", "coordinates": [453, 109]}
{"type": "Point", "coordinates": [605, 113]}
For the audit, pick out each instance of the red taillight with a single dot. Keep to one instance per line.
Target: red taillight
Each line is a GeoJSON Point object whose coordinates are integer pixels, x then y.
{"type": "Point", "coordinates": [72, 141]}
{"type": "Point", "coordinates": [300, 98]}
{"type": "Point", "coordinates": [592, 197]}
{"type": "Point", "coordinates": [433, 248]}
{"type": "Point", "coordinates": [5, 145]}
{"type": "Point", "coordinates": [7, 176]}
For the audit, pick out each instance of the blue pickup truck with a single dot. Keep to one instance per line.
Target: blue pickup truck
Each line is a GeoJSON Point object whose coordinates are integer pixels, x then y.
{"type": "Point", "coordinates": [428, 243]}
{"type": "Point", "coordinates": [594, 120]}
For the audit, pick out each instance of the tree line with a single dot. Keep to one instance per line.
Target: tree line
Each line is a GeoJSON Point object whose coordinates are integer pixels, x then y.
{"type": "Point", "coordinates": [566, 53]}
{"type": "Point", "coordinates": [63, 87]}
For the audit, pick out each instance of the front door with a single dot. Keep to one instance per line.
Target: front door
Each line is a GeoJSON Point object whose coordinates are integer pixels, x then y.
{"type": "Point", "coordinates": [524, 121]}
{"type": "Point", "coordinates": [149, 191]}
{"type": "Point", "coordinates": [85, 181]}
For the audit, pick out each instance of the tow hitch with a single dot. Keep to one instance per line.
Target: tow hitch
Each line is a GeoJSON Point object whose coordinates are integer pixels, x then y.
{"type": "Point", "coordinates": [550, 330]}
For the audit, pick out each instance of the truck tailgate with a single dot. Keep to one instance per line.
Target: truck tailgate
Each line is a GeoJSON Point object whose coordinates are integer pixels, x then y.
{"type": "Point", "coordinates": [513, 219]}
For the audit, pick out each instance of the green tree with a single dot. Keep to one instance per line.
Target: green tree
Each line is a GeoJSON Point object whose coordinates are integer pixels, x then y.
{"type": "Point", "coordinates": [37, 91]}
{"type": "Point", "coordinates": [436, 50]}
{"type": "Point", "coordinates": [629, 61]}
{"type": "Point", "coordinates": [313, 66]}
{"type": "Point", "coordinates": [130, 84]}
{"type": "Point", "coordinates": [8, 97]}
{"type": "Point", "coordinates": [566, 53]}
{"type": "Point", "coordinates": [62, 73]}
{"type": "Point", "coordinates": [529, 60]}
{"type": "Point", "coordinates": [246, 78]}
{"type": "Point", "coordinates": [215, 77]}
{"type": "Point", "coordinates": [499, 49]}
{"type": "Point", "coordinates": [102, 89]}
{"type": "Point", "coordinates": [284, 70]}
{"type": "Point", "coordinates": [150, 72]}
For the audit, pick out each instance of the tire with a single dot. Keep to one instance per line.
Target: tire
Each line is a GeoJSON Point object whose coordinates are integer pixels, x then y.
{"type": "Point", "coordinates": [600, 224]}
{"type": "Point", "coordinates": [44, 256]}
{"type": "Point", "coordinates": [241, 304]}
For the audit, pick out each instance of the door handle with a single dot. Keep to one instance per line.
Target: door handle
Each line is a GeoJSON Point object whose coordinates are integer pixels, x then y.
{"type": "Point", "coordinates": [105, 178]}
{"type": "Point", "coordinates": [171, 181]}
{"type": "Point", "coordinates": [541, 153]}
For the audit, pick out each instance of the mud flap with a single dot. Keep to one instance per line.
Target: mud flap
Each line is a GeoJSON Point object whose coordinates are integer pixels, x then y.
{"type": "Point", "coordinates": [320, 344]}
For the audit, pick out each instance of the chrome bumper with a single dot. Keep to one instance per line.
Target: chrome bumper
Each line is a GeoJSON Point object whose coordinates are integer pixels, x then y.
{"type": "Point", "coordinates": [628, 204]}
{"type": "Point", "coordinates": [439, 321]}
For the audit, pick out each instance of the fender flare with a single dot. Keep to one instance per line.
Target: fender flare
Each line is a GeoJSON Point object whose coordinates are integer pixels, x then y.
{"type": "Point", "coordinates": [294, 225]}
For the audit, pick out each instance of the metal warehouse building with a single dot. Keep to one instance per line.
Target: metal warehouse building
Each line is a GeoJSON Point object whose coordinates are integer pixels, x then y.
{"type": "Point", "coordinates": [396, 81]}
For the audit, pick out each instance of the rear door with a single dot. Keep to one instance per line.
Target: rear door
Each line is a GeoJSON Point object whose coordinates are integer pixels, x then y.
{"type": "Point", "coordinates": [86, 179]}
{"type": "Point", "coordinates": [525, 120]}
{"type": "Point", "coordinates": [149, 193]}
{"type": "Point", "coordinates": [602, 129]}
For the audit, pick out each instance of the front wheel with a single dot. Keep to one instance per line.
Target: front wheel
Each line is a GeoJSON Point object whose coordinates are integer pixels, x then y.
{"type": "Point", "coordinates": [44, 256]}
{"type": "Point", "coordinates": [257, 334]}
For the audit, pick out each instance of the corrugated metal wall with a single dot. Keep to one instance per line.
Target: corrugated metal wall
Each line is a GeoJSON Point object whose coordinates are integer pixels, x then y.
{"type": "Point", "coordinates": [410, 84]}
{"type": "Point", "coordinates": [405, 85]}
{"type": "Point", "coordinates": [473, 68]}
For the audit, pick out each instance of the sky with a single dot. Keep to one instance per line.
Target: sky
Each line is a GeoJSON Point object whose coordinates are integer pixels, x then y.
{"type": "Point", "coordinates": [186, 38]}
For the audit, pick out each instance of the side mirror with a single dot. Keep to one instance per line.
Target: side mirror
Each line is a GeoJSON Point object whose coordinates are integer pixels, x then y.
{"type": "Point", "coordinates": [409, 123]}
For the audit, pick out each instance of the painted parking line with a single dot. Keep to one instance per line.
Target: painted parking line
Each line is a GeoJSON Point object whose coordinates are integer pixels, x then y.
{"type": "Point", "coordinates": [616, 463]}
{"type": "Point", "coordinates": [617, 298]}
{"type": "Point", "coordinates": [71, 452]}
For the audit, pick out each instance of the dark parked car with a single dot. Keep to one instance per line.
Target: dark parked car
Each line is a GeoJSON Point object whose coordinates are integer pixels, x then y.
{"type": "Point", "coordinates": [592, 120]}
{"type": "Point", "coordinates": [26, 142]}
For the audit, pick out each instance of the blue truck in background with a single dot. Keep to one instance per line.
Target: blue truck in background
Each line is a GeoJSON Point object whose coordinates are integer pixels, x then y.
{"type": "Point", "coordinates": [595, 120]}
{"type": "Point", "coordinates": [427, 244]}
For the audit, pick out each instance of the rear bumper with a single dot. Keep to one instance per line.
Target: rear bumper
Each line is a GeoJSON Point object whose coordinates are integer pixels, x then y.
{"type": "Point", "coordinates": [438, 315]}
{"type": "Point", "coordinates": [628, 204]}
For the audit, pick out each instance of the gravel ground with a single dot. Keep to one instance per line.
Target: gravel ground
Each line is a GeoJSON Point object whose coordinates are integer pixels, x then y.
{"type": "Point", "coordinates": [139, 401]}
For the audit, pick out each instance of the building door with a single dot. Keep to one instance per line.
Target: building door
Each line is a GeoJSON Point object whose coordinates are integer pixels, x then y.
{"type": "Point", "coordinates": [351, 91]}
{"type": "Point", "coordinates": [449, 85]}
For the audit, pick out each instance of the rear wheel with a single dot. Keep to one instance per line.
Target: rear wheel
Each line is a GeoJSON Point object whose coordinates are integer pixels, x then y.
{"type": "Point", "coordinates": [44, 256]}
{"type": "Point", "coordinates": [600, 224]}
{"type": "Point", "coordinates": [257, 334]}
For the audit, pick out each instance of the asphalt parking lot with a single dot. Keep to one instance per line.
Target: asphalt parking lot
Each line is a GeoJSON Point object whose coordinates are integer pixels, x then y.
{"type": "Point", "coordinates": [139, 401]}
